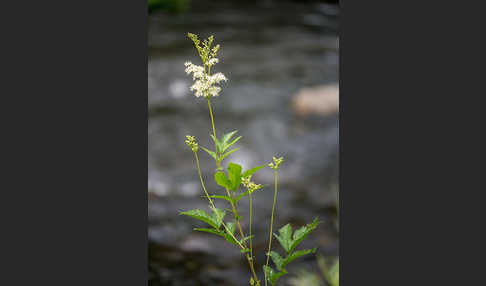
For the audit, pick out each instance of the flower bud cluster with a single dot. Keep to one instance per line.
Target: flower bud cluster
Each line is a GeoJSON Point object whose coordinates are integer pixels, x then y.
{"type": "Point", "coordinates": [276, 163]}
{"type": "Point", "coordinates": [191, 142]}
{"type": "Point", "coordinates": [251, 186]}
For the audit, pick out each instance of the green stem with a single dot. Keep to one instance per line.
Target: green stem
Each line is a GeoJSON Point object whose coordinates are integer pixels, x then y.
{"type": "Point", "coordinates": [271, 226]}
{"type": "Point", "coordinates": [251, 243]}
{"type": "Point", "coordinates": [212, 204]}
{"type": "Point", "coordinates": [214, 132]}
{"type": "Point", "coordinates": [250, 259]}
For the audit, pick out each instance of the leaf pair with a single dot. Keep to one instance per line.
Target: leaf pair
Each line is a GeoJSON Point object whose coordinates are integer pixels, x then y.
{"type": "Point", "coordinates": [223, 145]}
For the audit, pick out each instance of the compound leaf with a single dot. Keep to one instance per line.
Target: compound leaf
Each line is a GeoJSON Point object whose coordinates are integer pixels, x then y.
{"type": "Point", "coordinates": [296, 255]}
{"type": "Point", "coordinates": [202, 216]}
{"type": "Point", "coordinates": [285, 237]}
{"type": "Point", "coordinates": [272, 275]}
{"type": "Point", "coordinates": [278, 260]}
{"type": "Point", "coordinates": [302, 233]}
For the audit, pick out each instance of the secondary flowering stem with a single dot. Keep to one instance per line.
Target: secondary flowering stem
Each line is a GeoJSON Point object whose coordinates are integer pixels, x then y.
{"type": "Point", "coordinates": [251, 243]}
{"type": "Point", "coordinates": [271, 225]}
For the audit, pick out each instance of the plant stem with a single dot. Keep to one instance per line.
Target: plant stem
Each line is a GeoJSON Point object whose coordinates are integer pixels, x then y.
{"type": "Point", "coordinates": [250, 259]}
{"type": "Point", "coordinates": [244, 246]}
{"type": "Point", "coordinates": [214, 132]}
{"type": "Point", "coordinates": [212, 204]}
{"type": "Point", "coordinates": [251, 243]}
{"type": "Point", "coordinates": [271, 226]}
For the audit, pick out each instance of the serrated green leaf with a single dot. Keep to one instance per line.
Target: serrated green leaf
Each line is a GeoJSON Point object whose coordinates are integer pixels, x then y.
{"type": "Point", "coordinates": [277, 260]}
{"type": "Point", "coordinates": [229, 152]}
{"type": "Point", "coordinates": [234, 175]}
{"type": "Point", "coordinates": [222, 180]}
{"type": "Point", "coordinates": [210, 153]}
{"type": "Point", "coordinates": [302, 233]}
{"type": "Point", "coordinates": [252, 171]}
{"type": "Point", "coordinates": [226, 146]}
{"type": "Point", "coordinates": [210, 230]}
{"type": "Point", "coordinates": [218, 216]}
{"type": "Point", "coordinates": [231, 227]}
{"type": "Point", "coordinates": [229, 199]}
{"type": "Point", "coordinates": [226, 236]}
{"type": "Point", "coordinates": [285, 237]}
{"type": "Point", "coordinates": [296, 255]}
{"type": "Point", "coordinates": [272, 276]}
{"type": "Point", "coordinates": [203, 216]}
{"type": "Point", "coordinates": [227, 137]}
{"type": "Point", "coordinates": [218, 143]}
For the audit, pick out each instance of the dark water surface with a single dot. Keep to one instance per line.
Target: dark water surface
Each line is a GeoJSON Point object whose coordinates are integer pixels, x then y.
{"type": "Point", "coordinates": [269, 51]}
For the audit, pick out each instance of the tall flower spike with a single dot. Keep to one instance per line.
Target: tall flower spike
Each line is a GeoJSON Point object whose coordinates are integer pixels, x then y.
{"type": "Point", "coordinates": [205, 84]}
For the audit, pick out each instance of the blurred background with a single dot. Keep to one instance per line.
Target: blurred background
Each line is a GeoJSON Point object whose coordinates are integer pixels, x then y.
{"type": "Point", "coordinates": [282, 60]}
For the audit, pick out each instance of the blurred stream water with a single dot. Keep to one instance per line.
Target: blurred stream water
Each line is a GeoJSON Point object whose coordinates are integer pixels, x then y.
{"type": "Point", "coordinates": [269, 51]}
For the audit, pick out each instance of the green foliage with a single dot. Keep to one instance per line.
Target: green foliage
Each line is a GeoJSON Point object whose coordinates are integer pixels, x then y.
{"type": "Point", "coordinates": [231, 181]}
{"type": "Point", "coordinates": [285, 237]}
{"type": "Point", "coordinates": [297, 254]}
{"type": "Point", "coordinates": [252, 171]}
{"type": "Point", "coordinates": [306, 278]}
{"type": "Point", "coordinates": [331, 274]}
{"type": "Point", "coordinates": [222, 180]}
{"type": "Point", "coordinates": [212, 220]}
{"type": "Point", "coordinates": [213, 154]}
{"type": "Point", "coordinates": [223, 145]}
{"type": "Point", "coordinates": [272, 275]}
{"type": "Point", "coordinates": [289, 242]}
{"type": "Point", "coordinates": [302, 233]}
{"type": "Point", "coordinates": [277, 260]}
{"type": "Point", "coordinates": [234, 174]}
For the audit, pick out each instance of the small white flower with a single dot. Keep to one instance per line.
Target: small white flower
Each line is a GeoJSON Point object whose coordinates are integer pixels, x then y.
{"type": "Point", "coordinates": [197, 71]}
{"type": "Point", "coordinates": [213, 61]}
{"type": "Point", "coordinates": [217, 78]}
{"type": "Point", "coordinates": [214, 90]}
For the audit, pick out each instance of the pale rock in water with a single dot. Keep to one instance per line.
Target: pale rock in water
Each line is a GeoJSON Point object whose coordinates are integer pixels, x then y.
{"type": "Point", "coordinates": [320, 100]}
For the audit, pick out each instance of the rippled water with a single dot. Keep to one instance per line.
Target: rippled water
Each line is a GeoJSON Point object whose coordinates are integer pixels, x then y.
{"type": "Point", "coordinates": [269, 52]}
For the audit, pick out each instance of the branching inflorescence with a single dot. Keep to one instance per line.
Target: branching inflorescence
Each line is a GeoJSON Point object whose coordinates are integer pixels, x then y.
{"type": "Point", "coordinates": [206, 85]}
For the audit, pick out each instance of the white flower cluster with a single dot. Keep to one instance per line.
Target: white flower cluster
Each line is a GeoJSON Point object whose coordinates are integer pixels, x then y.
{"type": "Point", "coordinates": [205, 85]}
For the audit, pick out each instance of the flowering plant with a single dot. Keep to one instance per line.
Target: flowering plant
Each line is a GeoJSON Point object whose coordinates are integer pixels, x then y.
{"type": "Point", "coordinates": [206, 85]}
